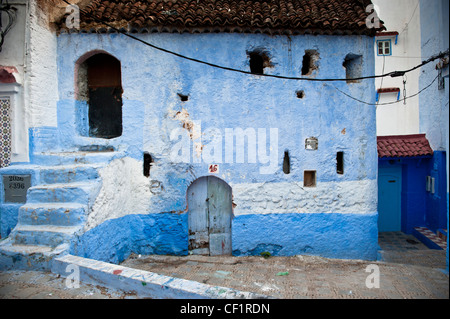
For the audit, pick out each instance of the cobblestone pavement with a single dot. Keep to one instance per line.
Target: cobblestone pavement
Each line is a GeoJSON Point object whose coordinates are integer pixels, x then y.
{"type": "Point", "coordinates": [19, 284]}
{"type": "Point", "coordinates": [408, 270]}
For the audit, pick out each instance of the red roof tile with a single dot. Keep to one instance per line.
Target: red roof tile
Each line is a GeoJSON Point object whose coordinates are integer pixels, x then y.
{"type": "Point", "coordinates": [254, 16]}
{"type": "Point", "coordinates": [403, 146]}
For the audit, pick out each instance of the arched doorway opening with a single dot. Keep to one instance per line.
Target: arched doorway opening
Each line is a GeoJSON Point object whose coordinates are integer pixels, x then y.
{"type": "Point", "coordinates": [99, 82]}
{"type": "Point", "coordinates": [210, 214]}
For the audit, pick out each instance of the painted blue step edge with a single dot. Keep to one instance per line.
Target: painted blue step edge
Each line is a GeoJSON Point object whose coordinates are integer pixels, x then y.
{"type": "Point", "coordinates": [84, 193]}
{"type": "Point", "coordinates": [425, 240]}
{"type": "Point", "coordinates": [144, 283]}
{"type": "Point", "coordinates": [56, 214]}
{"type": "Point", "coordinates": [20, 257]}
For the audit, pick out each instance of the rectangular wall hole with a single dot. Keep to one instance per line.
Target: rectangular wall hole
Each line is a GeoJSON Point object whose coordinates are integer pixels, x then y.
{"type": "Point", "coordinates": [309, 179]}
{"type": "Point", "coordinates": [340, 163]}
{"type": "Point", "coordinates": [148, 160]}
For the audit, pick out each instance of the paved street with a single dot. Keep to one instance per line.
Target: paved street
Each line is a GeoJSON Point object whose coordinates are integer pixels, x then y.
{"type": "Point", "coordinates": [409, 271]}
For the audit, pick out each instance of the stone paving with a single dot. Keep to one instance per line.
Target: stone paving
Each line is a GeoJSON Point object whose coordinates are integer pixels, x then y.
{"type": "Point", "coordinates": [19, 284]}
{"type": "Point", "coordinates": [408, 270]}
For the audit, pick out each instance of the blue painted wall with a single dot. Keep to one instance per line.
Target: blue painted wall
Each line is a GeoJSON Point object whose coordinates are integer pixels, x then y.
{"type": "Point", "coordinates": [114, 240]}
{"type": "Point", "coordinates": [220, 99]}
{"type": "Point", "coordinates": [346, 236]}
{"type": "Point", "coordinates": [434, 103]}
{"type": "Point", "coordinates": [436, 210]}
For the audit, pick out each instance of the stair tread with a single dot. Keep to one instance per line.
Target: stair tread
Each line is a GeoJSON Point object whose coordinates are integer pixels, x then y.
{"type": "Point", "coordinates": [54, 205]}
{"type": "Point", "coordinates": [48, 228]}
{"type": "Point", "coordinates": [65, 153]}
{"type": "Point", "coordinates": [27, 249]}
{"type": "Point", "coordinates": [65, 185]}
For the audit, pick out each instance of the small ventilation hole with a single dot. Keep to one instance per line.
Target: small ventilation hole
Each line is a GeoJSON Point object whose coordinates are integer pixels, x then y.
{"type": "Point", "coordinates": [183, 98]}
{"type": "Point", "coordinates": [148, 160]}
{"type": "Point", "coordinates": [286, 163]}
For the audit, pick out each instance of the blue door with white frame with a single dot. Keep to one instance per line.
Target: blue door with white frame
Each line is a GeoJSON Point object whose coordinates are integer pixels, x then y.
{"type": "Point", "coordinates": [389, 198]}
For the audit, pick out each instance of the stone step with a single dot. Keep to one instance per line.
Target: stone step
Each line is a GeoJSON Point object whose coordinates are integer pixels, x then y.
{"type": "Point", "coordinates": [54, 214]}
{"type": "Point", "coordinates": [68, 173]}
{"type": "Point", "coordinates": [81, 192]}
{"type": "Point", "coordinates": [43, 235]}
{"type": "Point", "coordinates": [68, 158]}
{"type": "Point", "coordinates": [29, 257]}
{"type": "Point", "coordinates": [429, 239]}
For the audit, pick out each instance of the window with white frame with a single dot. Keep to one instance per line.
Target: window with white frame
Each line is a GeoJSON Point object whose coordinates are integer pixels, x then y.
{"type": "Point", "coordinates": [384, 47]}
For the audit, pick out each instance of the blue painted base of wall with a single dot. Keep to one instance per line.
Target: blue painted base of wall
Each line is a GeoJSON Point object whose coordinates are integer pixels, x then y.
{"type": "Point", "coordinates": [436, 213]}
{"type": "Point", "coordinates": [154, 234]}
{"type": "Point", "coordinates": [8, 218]}
{"type": "Point", "coordinates": [344, 236]}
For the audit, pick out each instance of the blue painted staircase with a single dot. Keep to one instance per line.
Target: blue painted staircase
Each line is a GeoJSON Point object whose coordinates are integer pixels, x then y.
{"type": "Point", "coordinates": [56, 208]}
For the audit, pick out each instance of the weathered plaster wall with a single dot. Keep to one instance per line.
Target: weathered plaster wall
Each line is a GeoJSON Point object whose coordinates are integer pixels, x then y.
{"type": "Point", "coordinates": [154, 117]}
{"type": "Point", "coordinates": [433, 102]}
{"type": "Point", "coordinates": [125, 191]}
{"type": "Point", "coordinates": [402, 16]}
{"type": "Point", "coordinates": [13, 57]}
{"type": "Point", "coordinates": [42, 93]}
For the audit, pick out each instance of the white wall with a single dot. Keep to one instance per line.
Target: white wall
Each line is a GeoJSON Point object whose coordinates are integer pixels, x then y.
{"type": "Point", "coordinates": [42, 71]}
{"type": "Point", "coordinates": [30, 47]}
{"type": "Point", "coordinates": [402, 16]}
{"type": "Point", "coordinates": [13, 55]}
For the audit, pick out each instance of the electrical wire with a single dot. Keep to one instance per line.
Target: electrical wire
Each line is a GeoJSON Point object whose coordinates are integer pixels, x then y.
{"type": "Point", "coordinates": [387, 103]}
{"type": "Point", "coordinates": [412, 16]}
{"type": "Point", "coordinates": [382, 79]}
{"type": "Point", "coordinates": [12, 16]}
{"type": "Point", "coordinates": [392, 74]}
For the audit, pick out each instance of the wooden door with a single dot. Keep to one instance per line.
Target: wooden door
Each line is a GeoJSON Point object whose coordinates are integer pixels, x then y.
{"type": "Point", "coordinates": [210, 213]}
{"type": "Point", "coordinates": [198, 218]}
{"type": "Point", "coordinates": [389, 199]}
{"type": "Point", "coordinates": [220, 211]}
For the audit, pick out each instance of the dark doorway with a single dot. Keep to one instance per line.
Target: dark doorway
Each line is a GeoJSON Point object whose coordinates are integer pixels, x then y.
{"type": "Point", "coordinates": [105, 96]}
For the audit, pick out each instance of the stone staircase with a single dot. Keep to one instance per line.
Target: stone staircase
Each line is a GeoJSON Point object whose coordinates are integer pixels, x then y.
{"type": "Point", "coordinates": [56, 208]}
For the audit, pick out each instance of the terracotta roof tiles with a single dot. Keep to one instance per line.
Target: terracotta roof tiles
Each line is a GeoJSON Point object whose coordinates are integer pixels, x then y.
{"type": "Point", "coordinates": [403, 146]}
{"type": "Point", "coordinates": [271, 16]}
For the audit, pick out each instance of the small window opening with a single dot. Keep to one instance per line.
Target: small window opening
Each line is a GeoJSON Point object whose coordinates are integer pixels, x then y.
{"type": "Point", "coordinates": [148, 160]}
{"type": "Point", "coordinates": [309, 179]}
{"type": "Point", "coordinates": [183, 97]}
{"type": "Point", "coordinates": [300, 94]}
{"type": "Point", "coordinates": [310, 62]}
{"type": "Point", "coordinates": [286, 163]}
{"type": "Point", "coordinates": [340, 163]}
{"type": "Point", "coordinates": [353, 67]}
{"type": "Point", "coordinates": [384, 47]}
{"type": "Point", "coordinates": [258, 61]}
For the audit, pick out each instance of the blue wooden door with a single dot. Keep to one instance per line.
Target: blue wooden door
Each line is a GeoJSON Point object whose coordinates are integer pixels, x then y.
{"type": "Point", "coordinates": [389, 199]}
{"type": "Point", "coordinates": [210, 212]}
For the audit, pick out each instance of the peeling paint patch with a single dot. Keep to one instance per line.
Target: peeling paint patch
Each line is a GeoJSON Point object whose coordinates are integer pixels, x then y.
{"type": "Point", "coordinates": [193, 128]}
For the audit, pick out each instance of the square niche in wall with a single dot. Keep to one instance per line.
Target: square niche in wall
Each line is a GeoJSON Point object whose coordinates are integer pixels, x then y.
{"type": "Point", "coordinates": [309, 179]}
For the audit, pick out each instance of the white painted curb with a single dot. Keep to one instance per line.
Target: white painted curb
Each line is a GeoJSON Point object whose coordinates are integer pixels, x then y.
{"type": "Point", "coordinates": [143, 283]}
